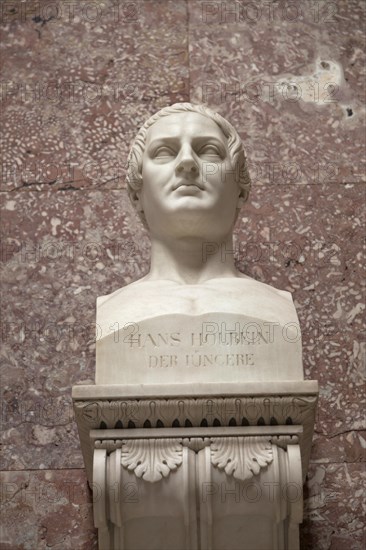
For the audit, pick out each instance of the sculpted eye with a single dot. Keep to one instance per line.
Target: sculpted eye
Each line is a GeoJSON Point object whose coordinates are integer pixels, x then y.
{"type": "Point", "coordinates": [163, 152]}
{"type": "Point", "coordinates": [210, 150]}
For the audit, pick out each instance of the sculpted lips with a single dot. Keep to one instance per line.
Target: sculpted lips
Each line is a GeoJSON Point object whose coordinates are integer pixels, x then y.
{"type": "Point", "coordinates": [188, 183]}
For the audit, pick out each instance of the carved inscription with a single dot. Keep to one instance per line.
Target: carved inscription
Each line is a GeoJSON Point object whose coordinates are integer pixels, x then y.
{"type": "Point", "coordinates": [185, 348]}
{"type": "Point", "coordinates": [213, 345]}
{"type": "Point", "coordinates": [202, 360]}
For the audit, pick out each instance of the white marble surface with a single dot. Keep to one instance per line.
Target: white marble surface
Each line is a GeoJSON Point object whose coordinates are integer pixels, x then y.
{"type": "Point", "coordinates": [212, 388]}
{"type": "Point", "coordinates": [194, 316]}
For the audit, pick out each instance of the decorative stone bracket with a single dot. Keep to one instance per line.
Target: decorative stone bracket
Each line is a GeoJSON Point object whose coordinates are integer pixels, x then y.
{"type": "Point", "coordinates": [197, 472]}
{"type": "Point", "coordinates": [154, 459]}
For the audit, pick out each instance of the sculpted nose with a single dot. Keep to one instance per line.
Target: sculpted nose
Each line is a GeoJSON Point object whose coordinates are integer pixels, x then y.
{"type": "Point", "coordinates": [186, 162]}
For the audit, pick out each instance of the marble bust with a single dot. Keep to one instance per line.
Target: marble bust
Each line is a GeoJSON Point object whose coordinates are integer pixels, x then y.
{"type": "Point", "coordinates": [194, 316]}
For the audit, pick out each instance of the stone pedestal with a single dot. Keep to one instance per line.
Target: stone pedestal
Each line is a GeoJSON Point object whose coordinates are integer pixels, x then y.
{"type": "Point", "coordinates": [204, 466]}
{"type": "Point", "coordinates": [176, 461]}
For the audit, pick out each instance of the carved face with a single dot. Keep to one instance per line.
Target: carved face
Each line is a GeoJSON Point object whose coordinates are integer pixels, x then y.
{"type": "Point", "coordinates": [189, 183]}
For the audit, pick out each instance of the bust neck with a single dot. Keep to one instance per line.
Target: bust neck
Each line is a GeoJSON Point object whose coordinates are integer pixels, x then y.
{"type": "Point", "coordinates": [191, 260]}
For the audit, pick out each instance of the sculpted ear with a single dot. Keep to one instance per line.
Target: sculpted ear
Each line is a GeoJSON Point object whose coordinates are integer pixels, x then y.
{"type": "Point", "coordinates": [136, 200]}
{"type": "Point", "coordinates": [242, 197]}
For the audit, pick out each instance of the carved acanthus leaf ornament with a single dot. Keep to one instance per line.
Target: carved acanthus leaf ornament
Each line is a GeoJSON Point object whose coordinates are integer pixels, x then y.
{"type": "Point", "coordinates": [241, 457]}
{"type": "Point", "coordinates": [152, 459]}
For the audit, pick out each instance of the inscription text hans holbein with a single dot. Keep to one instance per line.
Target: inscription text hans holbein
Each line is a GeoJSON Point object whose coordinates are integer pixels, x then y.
{"type": "Point", "coordinates": [208, 344]}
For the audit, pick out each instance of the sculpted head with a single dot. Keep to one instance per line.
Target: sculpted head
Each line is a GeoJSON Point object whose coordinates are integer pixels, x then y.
{"type": "Point", "coordinates": [189, 160]}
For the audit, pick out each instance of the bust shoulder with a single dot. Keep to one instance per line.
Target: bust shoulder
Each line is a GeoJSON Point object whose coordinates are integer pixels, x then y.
{"type": "Point", "coordinates": [149, 287]}
{"type": "Point", "coordinates": [241, 295]}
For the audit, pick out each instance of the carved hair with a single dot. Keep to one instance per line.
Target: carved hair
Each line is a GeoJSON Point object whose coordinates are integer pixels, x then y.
{"type": "Point", "coordinates": [235, 146]}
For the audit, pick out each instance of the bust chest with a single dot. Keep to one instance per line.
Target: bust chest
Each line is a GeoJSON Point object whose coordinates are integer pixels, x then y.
{"type": "Point", "coordinates": [136, 303]}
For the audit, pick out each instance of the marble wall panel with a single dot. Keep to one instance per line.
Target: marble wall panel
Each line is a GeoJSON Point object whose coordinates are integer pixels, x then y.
{"type": "Point", "coordinates": [44, 509]}
{"type": "Point", "coordinates": [60, 251]}
{"type": "Point", "coordinates": [291, 76]}
{"type": "Point", "coordinates": [78, 79]}
{"type": "Point", "coordinates": [333, 507]}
